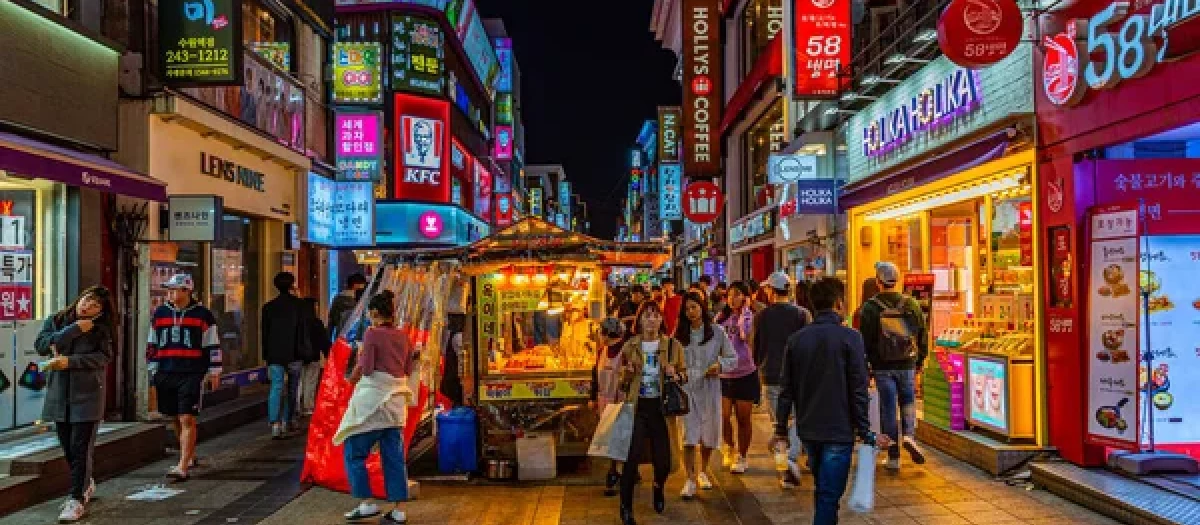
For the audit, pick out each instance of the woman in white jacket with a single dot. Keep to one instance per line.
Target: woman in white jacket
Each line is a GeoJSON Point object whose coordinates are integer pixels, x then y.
{"type": "Point", "coordinates": [707, 351]}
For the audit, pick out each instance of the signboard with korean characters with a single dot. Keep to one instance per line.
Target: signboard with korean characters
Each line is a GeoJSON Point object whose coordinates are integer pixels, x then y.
{"type": "Point", "coordinates": [823, 47]}
{"type": "Point", "coordinates": [670, 191]}
{"type": "Point", "coordinates": [977, 34]}
{"type": "Point", "coordinates": [652, 223]}
{"type": "Point", "coordinates": [356, 73]}
{"type": "Point", "coordinates": [194, 217]}
{"type": "Point", "coordinates": [17, 232]}
{"type": "Point", "coordinates": [200, 42]}
{"type": "Point", "coordinates": [1113, 408]}
{"type": "Point", "coordinates": [753, 228]}
{"type": "Point", "coordinates": [340, 214]}
{"type": "Point", "coordinates": [358, 140]}
{"type": "Point", "coordinates": [418, 55]}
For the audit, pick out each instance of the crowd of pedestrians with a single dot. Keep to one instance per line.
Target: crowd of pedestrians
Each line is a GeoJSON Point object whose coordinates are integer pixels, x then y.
{"type": "Point", "coordinates": [781, 343]}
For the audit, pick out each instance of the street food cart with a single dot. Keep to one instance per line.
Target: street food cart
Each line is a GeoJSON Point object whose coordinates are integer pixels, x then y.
{"type": "Point", "coordinates": [538, 294]}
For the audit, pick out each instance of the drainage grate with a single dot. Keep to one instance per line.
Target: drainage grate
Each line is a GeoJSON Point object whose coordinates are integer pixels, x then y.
{"type": "Point", "coordinates": [1115, 494]}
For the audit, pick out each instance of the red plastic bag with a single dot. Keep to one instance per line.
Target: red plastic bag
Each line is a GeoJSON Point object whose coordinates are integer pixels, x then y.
{"type": "Point", "coordinates": [324, 463]}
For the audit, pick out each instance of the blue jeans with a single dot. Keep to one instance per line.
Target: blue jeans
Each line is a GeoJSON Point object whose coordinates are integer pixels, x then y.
{"type": "Point", "coordinates": [830, 465]}
{"type": "Point", "coordinates": [793, 441]}
{"type": "Point", "coordinates": [279, 406]}
{"type": "Point", "coordinates": [391, 454]}
{"type": "Point", "coordinates": [897, 390]}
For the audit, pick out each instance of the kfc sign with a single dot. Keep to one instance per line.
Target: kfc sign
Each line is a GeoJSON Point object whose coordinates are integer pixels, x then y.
{"type": "Point", "coordinates": [668, 134]}
{"type": "Point", "coordinates": [702, 88]}
{"type": "Point", "coordinates": [423, 142]}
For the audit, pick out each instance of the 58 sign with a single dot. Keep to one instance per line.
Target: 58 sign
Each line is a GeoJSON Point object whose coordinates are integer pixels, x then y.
{"type": "Point", "coordinates": [822, 46]}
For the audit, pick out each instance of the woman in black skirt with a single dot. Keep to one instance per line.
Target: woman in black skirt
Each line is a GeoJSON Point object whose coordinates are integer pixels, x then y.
{"type": "Point", "coordinates": [740, 388]}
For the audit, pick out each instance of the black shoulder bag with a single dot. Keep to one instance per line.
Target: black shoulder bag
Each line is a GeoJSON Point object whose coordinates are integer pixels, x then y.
{"type": "Point", "coordinates": [674, 399]}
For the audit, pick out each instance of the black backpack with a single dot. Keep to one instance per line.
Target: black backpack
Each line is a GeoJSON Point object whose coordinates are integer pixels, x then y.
{"type": "Point", "coordinates": [897, 332]}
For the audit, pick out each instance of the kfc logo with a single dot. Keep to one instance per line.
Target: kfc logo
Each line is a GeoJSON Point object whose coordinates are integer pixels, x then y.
{"type": "Point", "coordinates": [422, 142]}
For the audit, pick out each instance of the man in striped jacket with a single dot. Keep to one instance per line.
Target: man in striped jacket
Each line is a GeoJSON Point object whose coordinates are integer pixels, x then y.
{"type": "Point", "coordinates": [183, 350]}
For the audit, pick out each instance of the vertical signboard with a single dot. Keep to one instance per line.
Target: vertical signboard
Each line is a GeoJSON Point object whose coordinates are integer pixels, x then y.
{"type": "Point", "coordinates": [822, 47]}
{"type": "Point", "coordinates": [1113, 409]}
{"type": "Point", "coordinates": [359, 145]}
{"type": "Point", "coordinates": [418, 55]}
{"type": "Point", "coordinates": [356, 73]}
{"type": "Point", "coordinates": [670, 191]}
{"type": "Point", "coordinates": [483, 192]}
{"type": "Point", "coordinates": [668, 134]}
{"type": "Point", "coordinates": [702, 75]}
{"type": "Point", "coordinates": [422, 146]}
{"type": "Point", "coordinates": [200, 42]}
{"type": "Point", "coordinates": [504, 209]}
{"type": "Point", "coordinates": [504, 55]}
{"type": "Point", "coordinates": [504, 142]}
{"type": "Point", "coordinates": [652, 221]}
{"type": "Point", "coordinates": [535, 202]}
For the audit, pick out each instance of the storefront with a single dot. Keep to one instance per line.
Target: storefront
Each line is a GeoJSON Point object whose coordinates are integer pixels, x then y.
{"type": "Point", "coordinates": [1118, 194]}
{"type": "Point", "coordinates": [947, 196]}
{"type": "Point", "coordinates": [752, 240]}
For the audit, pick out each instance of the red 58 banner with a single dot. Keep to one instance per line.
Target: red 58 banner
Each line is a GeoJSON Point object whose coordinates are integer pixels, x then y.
{"type": "Point", "coordinates": [822, 47]}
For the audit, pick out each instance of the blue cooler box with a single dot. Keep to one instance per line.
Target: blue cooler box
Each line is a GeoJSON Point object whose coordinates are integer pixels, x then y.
{"type": "Point", "coordinates": [456, 441]}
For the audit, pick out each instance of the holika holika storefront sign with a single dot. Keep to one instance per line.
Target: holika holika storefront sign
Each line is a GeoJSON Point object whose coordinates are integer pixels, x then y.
{"type": "Point", "coordinates": [939, 105]}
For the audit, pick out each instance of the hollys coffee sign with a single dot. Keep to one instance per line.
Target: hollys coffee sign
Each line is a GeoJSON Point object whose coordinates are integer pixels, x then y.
{"type": "Point", "coordinates": [701, 88]}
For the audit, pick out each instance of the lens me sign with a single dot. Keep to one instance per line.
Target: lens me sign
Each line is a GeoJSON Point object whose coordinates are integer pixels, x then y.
{"type": "Point", "coordinates": [932, 107]}
{"type": "Point", "coordinates": [701, 88]}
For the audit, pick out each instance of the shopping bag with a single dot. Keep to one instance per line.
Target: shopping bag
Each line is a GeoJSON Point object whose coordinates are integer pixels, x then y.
{"type": "Point", "coordinates": [614, 432]}
{"type": "Point", "coordinates": [873, 409]}
{"type": "Point", "coordinates": [862, 494]}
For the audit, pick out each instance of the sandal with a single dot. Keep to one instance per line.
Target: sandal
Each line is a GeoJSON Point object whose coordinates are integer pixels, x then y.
{"type": "Point", "coordinates": [177, 475]}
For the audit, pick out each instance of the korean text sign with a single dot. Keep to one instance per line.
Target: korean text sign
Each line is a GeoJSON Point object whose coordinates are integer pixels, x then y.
{"type": "Point", "coordinates": [358, 139]}
{"type": "Point", "coordinates": [417, 55]}
{"type": "Point", "coordinates": [822, 46]}
{"type": "Point", "coordinates": [340, 214]}
{"type": "Point", "coordinates": [702, 98]}
{"type": "Point", "coordinates": [356, 73]}
{"type": "Point", "coordinates": [200, 42]}
{"type": "Point", "coordinates": [670, 191]}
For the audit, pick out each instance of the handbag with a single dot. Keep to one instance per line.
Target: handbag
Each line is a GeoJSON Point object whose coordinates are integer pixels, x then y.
{"type": "Point", "coordinates": [674, 399]}
{"type": "Point", "coordinates": [33, 378]}
{"type": "Point", "coordinates": [614, 432]}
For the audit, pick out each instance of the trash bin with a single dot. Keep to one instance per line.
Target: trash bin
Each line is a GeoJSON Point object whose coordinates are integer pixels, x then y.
{"type": "Point", "coordinates": [456, 441]}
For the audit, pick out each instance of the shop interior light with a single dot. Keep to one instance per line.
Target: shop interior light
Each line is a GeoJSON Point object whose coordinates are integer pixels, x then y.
{"type": "Point", "coordinates": [951, 197]}
{"type": "Point", "coordinates": [925, 35]}
{"type": "Point", "coordinates": [871, 80]}
{"type": "Point", "coordinates": [901, 58]}
{"type": "Point", "coordinates": [835, 111]}
{"type": "Point", "coordinates": [851, 96]}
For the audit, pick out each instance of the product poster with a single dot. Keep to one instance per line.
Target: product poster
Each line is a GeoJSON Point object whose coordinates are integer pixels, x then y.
{"type": "Point", "coordinates": [920, 287]}
{"type": "Point", "coordinates": [987, 391]}
{"type": "Point", "coordinates": [1169, 265]}
{"type": "Point", "coordinates": [1113, 330]}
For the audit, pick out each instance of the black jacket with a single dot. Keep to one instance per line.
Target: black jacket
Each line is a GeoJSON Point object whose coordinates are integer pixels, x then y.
{"type": "Point", "coordinates": [825, 379]}
{"type": "Point", "coordinates": [869, 324]}
{"type": "Point", "coordinates": [285, 330]}
{"type": "Point", "coordinates": [76, 394]}
{"type": "Point", "coordinates": [339, 309]}
{"type": "Point", "coordinates": [770, 332]}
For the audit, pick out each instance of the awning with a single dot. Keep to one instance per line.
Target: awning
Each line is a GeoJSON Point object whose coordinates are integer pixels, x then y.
{"type": "Point", "coordinates": [768, 66]}
{"type": "Point", "coordinates": [31, 158]}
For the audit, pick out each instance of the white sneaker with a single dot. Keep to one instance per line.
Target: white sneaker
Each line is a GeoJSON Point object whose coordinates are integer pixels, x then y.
{"type": "Point", "coordinates": [72, 511]}
{"type": "Point", "coordinates": [728, 458]}
{"type": "Point", "coordinates": [703, 481]}
{"type": "Point", "coordinates": [914, 451]}
{"type": "Point", "coordinates": [893, 465]}
{"type": "Point", "coordinates": [689, 490]}
{"type": "Point", "coordinates": [363, 511]}
{"type": "Point", "coordinates": [739, 466]}
{"type": "Point", "coordinates": [394, 517]}
{"type": "Point", "coordinates": [90, 492]}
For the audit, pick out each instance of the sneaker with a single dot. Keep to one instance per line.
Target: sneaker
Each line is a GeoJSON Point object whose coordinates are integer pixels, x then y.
{"type": "Point", "coordinates": [704, 482]}
{"type": "Point", "coordinates": [394, 517]}
{"type": "Point", "coordinates": [789, 481]}
{"type": "Point", "coordinates": [739, 465]}
{"type": "Point", "coordinates": [276, 431]}
{"type": "Point", "coordinates": [893, 465]}
{"type": "Point", "coordinates": [364, 511]}
{"type": "Point", "coordinates": [914, 451]}
{"type": "Point", "coordinates": [89, 492]}
{"type": "Point", "coordinates": [72, 511]}
{"type": "Point", "coordinates": [689, 490]}
{"type": "Point", "coordinates": [728, 458]}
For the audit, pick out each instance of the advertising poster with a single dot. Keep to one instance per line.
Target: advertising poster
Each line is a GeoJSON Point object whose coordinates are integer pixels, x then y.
{"type": "Point", "coordinates": [356, 73]}
{"type": "Point", "coordinates": [504, 55]}
{"type": "Point", "coordinates": [201, 42]}
{"type": "Point", "coordinates": [483, 192]}
{"type": "Point", "coordinates": [1169, 187]}
{"type": "Point", "coordinates": [477, 44]}
{"type": "Point", "coordinates": [353, 214]}
{"type": "Point", "coordinates": [1113, 408]}
{"type": "Point", "coordinates": [270, 101]}
{"type": "Point", "coordinates": [359, 145]}
{"type": "Point", "coordinates": [418, 55]}
{"type": "Point", "coordinates": [670, 191]}
{"type": "Point", "coordinates": [1169, 266]}
{"type": "Point", "coordinates": [279, 54]}
{"type": "Point", "coordinates": [422, 148]}
{"type": "Point", "coordinates": [17, 247]}
{"type": "Point", "coordinates": [987, 392]}
{"type": "Point", "coordinates": [822, 46]}
{"type": "Point", "coordinates": [1061, 267]}
{"type": "Point", "coordinates": [504, 142]}
{"type": "Point", "coordinates": [504, 209]}
{"type": "Point", "coordinates": [919, 286]}
{"type": "Point", "coordinates": [702, 97]}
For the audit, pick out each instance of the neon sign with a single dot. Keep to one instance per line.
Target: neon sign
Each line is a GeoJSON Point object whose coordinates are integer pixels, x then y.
{"type": "Point", "coordinates": [933, 107]}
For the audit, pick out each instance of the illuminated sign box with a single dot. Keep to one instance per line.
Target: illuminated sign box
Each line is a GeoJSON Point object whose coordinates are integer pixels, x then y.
{"type": "Point", "coordinates": [418, 55]}
{"type": "Point", "coordinates": [356, 73]}
{"type": "Point", "coordinates": [200, 42]}
{"type": "Point", "coordinates": [358, 141]}
{"type": "Point", "coordinates": [340, 214]}
{"type": "Point", "coordinates": [422, 223]}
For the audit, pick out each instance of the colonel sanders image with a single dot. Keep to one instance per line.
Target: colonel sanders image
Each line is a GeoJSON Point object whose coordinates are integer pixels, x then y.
{"type": "Point", "coordinates": [422, 142]}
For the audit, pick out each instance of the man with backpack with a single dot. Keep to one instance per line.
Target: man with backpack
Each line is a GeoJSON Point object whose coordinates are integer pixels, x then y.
{"type": "Point", "coordinates": [896, 339]}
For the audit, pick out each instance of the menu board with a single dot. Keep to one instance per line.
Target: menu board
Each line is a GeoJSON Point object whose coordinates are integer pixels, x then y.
{"type": "Point", "coordinates": [1113, 329]}
{"type": "Point", "coordinates": [1169, 265]}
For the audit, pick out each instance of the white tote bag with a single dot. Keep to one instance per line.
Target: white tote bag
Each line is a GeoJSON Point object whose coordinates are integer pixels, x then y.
{"type": "Point", "coordinates": [862, 495]}
{"type": "Point", "coordinates": [873, 409]}
{"type": "Point", "coordinates": [614, 432]}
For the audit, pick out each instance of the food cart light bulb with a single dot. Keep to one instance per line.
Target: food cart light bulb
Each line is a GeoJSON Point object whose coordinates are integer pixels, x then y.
{"type": "Point", "coordinates": [541, 278]}
{"type": "Point", "coordinates": [563, 277]}
{"type": "Point", "coordinates": [520, 279]}
{"type": "Point", "coordinates": [499, 277]}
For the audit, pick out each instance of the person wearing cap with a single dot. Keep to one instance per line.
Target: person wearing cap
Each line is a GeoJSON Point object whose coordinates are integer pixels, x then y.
{"type": "Point", "coordinates": [771, 329]}
{"type": "Point", "coordinates": [183, 348]}
{"type": "Point", "coordinates": [606, 382]}
{"type": "Point", "coordinates": [896, 380]}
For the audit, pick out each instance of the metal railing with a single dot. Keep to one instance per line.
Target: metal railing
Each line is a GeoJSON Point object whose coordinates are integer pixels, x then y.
{"type": "Point", "coordinates": [912, 34]}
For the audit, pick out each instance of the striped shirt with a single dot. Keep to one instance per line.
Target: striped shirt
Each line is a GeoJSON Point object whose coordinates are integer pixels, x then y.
{"type": "Point", "coordinates": [184, 341]}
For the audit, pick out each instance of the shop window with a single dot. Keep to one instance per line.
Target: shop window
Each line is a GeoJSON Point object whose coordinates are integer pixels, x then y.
{"type": "Point", "coordinates": [234, 288]}
{"type": "Point", "coordinates": [269, 34]}
{"type": "Point", "coordinates": [761, 21]}
{"type": "Point", "coordinates": [764, 138]}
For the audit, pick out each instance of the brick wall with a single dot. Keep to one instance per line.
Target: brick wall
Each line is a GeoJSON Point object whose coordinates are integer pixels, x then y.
{"type": "Point", "coordinates": [1006, 91]}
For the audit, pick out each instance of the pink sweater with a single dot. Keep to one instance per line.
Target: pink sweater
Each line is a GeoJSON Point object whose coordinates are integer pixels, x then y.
{"type": "Point", "coordinates": [386, 349]}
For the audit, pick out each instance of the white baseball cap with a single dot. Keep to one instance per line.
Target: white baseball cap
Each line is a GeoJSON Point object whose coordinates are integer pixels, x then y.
{"type": "Point", "coordinates": [779, 281]}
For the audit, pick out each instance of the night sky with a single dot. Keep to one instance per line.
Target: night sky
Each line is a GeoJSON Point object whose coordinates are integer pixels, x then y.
{"type": "Point", "coordinates": [591, 74]}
